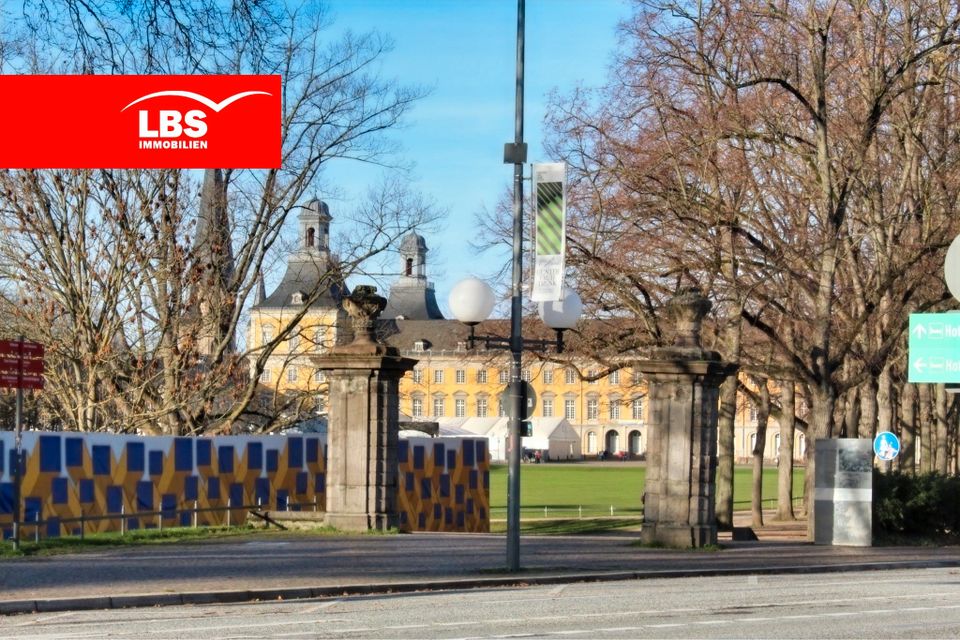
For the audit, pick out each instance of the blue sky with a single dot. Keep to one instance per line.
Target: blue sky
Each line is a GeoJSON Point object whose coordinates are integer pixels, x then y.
{"type": "Point", "coordinates": [465, 51]}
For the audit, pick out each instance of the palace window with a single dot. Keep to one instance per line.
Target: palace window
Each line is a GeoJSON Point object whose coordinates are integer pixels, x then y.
{"type": "Point", "coordinates": [593, 409]}
{"type": "Point", "coordinates": [266, 334]}
{"type": "Point", "coordinates": [548, 407]}
{"type": "Point", "coordinates": [614, 409]}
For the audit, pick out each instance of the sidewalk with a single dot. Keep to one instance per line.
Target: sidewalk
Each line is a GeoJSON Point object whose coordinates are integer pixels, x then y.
{"type": "Point", "coordinates": [289, 565]}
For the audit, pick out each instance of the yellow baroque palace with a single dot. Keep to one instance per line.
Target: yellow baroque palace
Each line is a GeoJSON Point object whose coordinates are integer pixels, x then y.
{"type": "Point", "coordinates": [301, 318]}
{"type": "Point", "coordinates": [453, 385]}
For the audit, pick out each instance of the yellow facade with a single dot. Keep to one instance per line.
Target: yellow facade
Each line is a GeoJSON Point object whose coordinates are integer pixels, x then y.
{"type": "Point", "coordinates": [307, 298]}
{"type": "Point", "coordinates": [609, 411]}
{"type": "Point", "coordinates": [289, 369]}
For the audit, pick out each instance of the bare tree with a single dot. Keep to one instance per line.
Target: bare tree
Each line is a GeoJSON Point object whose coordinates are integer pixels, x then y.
{"type": "Point", "coordinates": [787, 158]}
{"type": "Point", "coordinates": [121, 271]}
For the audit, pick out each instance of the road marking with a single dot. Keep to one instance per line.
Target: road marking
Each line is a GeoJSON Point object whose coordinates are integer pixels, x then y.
{"type": "Point", "coordinates": [321, 607]}
{"type": "Point", "coordinates": [45, 619]}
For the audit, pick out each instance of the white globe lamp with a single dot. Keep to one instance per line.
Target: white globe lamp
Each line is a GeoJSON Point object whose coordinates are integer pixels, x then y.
{"type": "Point", "coordinates": [471, 301]}
{"type": "Point", "coordinates": [562, 314]}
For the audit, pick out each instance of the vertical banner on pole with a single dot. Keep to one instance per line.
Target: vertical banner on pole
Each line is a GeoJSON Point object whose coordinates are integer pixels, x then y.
{"type": "Point", "coordinates": [549, 185]}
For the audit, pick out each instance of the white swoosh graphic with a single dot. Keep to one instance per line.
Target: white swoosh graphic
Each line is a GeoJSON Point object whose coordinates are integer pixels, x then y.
{"type": "Point", "coordinates": [216, 106]}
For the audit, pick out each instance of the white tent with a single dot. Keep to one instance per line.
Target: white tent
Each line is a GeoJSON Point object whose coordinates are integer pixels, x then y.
{"type": "Point", "coordinates": [552, 436]}
{"type": "Point", "coordinates": [555, 438]}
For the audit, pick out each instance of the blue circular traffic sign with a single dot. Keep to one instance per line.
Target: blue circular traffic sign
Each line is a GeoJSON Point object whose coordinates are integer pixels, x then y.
{"type": "Point", "coordinates": [886, 445]}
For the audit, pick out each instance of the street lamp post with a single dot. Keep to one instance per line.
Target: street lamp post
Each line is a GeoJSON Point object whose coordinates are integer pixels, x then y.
{"type": "Point", "coordinates": [471, 301]}
{"type": "Point", "coordinates": [516, 153]}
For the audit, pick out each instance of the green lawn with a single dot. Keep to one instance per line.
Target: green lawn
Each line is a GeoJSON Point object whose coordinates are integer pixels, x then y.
{"type": "Point", "coordinates": [572, 490]}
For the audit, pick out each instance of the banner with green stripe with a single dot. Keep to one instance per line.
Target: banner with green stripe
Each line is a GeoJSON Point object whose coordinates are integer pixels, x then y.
{"type": "Point", "coordinates": [549, 185]}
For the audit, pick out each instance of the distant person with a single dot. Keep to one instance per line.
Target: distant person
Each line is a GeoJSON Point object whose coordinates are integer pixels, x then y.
{"type": "Point", "coordinates": [537, 456]}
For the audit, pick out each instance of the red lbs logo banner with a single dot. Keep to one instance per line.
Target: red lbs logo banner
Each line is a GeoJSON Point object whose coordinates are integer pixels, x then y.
{"type": "Point", "coordinates": [139, 122]}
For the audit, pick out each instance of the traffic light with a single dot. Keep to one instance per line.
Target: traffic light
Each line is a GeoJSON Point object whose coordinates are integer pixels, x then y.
{"type": "Point", "coordinates": [526, 429]}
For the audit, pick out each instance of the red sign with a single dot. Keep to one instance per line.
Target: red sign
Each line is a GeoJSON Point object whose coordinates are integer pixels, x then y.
{"type": "Point", "coordinates": [17, 348]}
{"type": "Point", "coordinates": [12, 380]}
{"type": "Point", "coordinates": [15, 365]}
{"type": "Point", "coordinates": [21, 364]}
{"type": "Point", "coordinates": [143, 122]}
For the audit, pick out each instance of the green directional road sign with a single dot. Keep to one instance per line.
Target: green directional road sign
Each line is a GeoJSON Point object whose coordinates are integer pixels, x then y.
{"type": "Point", "coordinates": [934, 347]}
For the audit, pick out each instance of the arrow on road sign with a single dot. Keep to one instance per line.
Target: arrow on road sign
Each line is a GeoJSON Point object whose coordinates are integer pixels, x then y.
{"type": "Point", "coordinates": [919, 365]}
{"type": "Point", "coordinates": [920, 331]}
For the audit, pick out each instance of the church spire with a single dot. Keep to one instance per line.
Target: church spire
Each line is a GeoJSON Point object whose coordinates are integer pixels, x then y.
{"type": "Point", "coordinates": [212, 302]}
{"type": "Point", "coordinates": [260, 293]}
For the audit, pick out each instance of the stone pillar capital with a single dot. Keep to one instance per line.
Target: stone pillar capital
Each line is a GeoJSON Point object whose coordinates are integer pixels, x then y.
{"type": "Point", "coordinates": [687, 309]}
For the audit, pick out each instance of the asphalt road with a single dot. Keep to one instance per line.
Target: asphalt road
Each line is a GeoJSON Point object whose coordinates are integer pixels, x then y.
{"type": "Point", "coordinates": [891, 604]}
{"type": "Point", "coordinates": [288, 561]}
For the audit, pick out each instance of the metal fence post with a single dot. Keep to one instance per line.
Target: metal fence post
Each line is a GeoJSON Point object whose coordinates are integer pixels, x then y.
{"type": "Point", "coordinates": [83, 523]}
{"type": "Point", "coordinates": [195, 514]}
{"type": "Point", "coordinates": [229, 505]}
{"type": "Point", "coordinates": [123, 521]}
{"type": "Point", "coordinates": [36, 528]}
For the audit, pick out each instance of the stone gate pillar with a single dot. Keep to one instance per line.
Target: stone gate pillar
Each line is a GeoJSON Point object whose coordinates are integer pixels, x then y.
{"type": "Point", "coordinates": [363, 423]}
{"type": "Point", "coordinates": [684, 392]}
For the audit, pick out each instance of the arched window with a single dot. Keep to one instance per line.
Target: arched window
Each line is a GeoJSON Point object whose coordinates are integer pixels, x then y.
{"type": "Point", "coordinates": [613, 441]}
{"type": "Point", "coordinates": [408, 269]}
{"type": "Point", "coordinates": [635, 443]}
{"type": "Point", "coordinates": [591, 442]}
{"type": "Point", "coordinates": [310, 236]}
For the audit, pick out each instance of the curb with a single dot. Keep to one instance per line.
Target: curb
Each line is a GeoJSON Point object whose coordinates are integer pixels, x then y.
{"type": "Point", "coordinates": [48, 605]}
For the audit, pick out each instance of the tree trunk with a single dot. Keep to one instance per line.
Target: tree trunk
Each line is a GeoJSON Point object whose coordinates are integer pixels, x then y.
{"type": "Point", "coordinates": [868, 410]}
{"type": "Point", "coordinates": [788, 401]}
{"type": "Point", "coordinates": [823, 400]}
{"type": "Point", "coordinates": [763, 416]}
{"type": "Point", "coordinates": [940, 409]}
{"type": "Point", "coordinates": [926, 428]}
{"type": "Point", "coordinates": [851, 414]}
{"type": "Point", "coordinates": [725, 452]}
{"type": "Point", "coordinates": [884, 401]}
{"type": "Point", "coordinates": [908, 428]}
